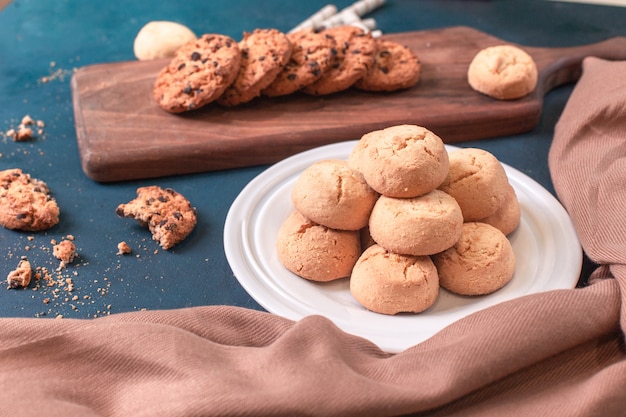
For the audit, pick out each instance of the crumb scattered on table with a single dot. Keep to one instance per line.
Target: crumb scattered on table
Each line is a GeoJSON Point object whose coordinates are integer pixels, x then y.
{"type": "Point", "coordinates": [65, 251]}
{"type": "Point", "coordinates": [123, 248]}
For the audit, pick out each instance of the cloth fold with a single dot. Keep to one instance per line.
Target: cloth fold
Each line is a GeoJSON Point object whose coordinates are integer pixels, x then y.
{"type": "Point", "coordinates": [557, 353]}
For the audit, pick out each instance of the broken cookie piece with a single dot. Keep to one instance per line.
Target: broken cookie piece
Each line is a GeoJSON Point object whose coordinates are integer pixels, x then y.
{"type": "Point", "coordinates": [65, 252]}
{"type": "Point", "coordinates": [25, 202]}
{"type": "Point", "coordinates": [20, 276]}
{"type": "Point", "coordinates": [168, 214]}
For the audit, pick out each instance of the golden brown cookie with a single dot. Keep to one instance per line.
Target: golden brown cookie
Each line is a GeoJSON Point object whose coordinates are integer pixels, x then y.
{"type": "Point", "coordinates": [316, 252]}
{"type": "Point", "coordinates": [503, 72]}
{"type": "Point", "coordinates": [388, 283]}
{"type": "Point", "coordinates": [198, 74]}
{"type": "Point", "coordinates": [264, 53]}
{"type": "Point", "coordinates": [333, 195]}
{"type": "Point", "coordinates": [168, 214]}
{"type": "Point", "coordinates": [25, 202]}
{"type": "Point", "coordinates": [416, 226]}
{"type": "Point", "coordinates": [312, 55]}
{"type": "Point", "coordinates": [402, 161]}
{"type": "Point", "coordinates": [481, 262]}
{"type": "Point", "coordinates": [355, 54]}
{"type": "Point", "coordinates": [478, 182]}
{"type": "Point", "coordinates": [507, 217]}
{"type": "Point", "coordinates": [395, 67]}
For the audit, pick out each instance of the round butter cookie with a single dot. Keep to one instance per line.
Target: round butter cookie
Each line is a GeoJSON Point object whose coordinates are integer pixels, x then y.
{"type": "Point", "coordinates": [388, 283]}
{"type": "Point", "coordinates": [316, 252]}
{"type": "Point", "coordinates": [333, 195]}
{"type": "Point", "coordinates": [356, 155]}
{"type": "Point", "coordinates": [354, 55]}
{"type": "Point", "coordinates": [416, 226]}
{"type": "Point", "coordinates": [504, 72]}
{"type": "Point", "coordinates": [26, 203]}
{"type": "Point", "coordinates": [402, 161]}
{"type": "Point", "coordinates": [481, 262]}
{"type": "Point", "coordinates": [478, 182]}
{"type": "Point", "coordinates": [198, 74]}
{"type": "Point", "coordinates": [161, 39]}
{"type": "Point", "coordinates": [264, 53]}
{"type": "Point", "coordinates": [395, 67]}
{"type": "Point", "coordinates": [507, 217]}
{"type": "Point", "coordinates": [312, 55]}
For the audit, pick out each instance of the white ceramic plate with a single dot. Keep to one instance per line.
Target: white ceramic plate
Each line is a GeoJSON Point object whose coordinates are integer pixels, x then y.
{"type": "Point", "coordinates": [544, 236]}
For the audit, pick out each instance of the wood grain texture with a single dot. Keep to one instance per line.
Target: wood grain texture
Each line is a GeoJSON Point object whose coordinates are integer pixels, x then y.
{"type": "Point", "coordinates": [122, 134]}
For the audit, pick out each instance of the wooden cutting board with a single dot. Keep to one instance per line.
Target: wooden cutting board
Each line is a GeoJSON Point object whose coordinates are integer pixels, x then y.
{"type": "Point", "coordinates": [122, 134]}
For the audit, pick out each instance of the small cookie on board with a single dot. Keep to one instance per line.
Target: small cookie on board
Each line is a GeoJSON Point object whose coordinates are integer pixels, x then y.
{"type": "Point", "coordinates": [355, 55]}
{"type": "Point", "coordinates": [198, 74]}
{"type": "Point", "coordinates": [312, 56]}
{"type": "Point", "coordinates": [396, 67]}
{"type": "Point", "coordinates": [504, 72]}
{"type": "Point", "coordinates": [25, 202]}
{"type": "Point", "coordinates": [170, 217]}
{"type": "Point", "coordinates": [264, 54]}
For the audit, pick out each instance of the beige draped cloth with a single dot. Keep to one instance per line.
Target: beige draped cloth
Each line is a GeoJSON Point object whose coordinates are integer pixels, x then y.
{"type": "Point", "coordinates": [558, 353]}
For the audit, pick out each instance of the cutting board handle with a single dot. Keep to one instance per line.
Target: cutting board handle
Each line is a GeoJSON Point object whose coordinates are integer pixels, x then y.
{"type": "Point", "coordinates": [564, 65]}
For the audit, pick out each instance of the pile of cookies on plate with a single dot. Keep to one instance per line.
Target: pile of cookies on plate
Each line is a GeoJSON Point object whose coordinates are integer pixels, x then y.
{"type": "Point", "coordinates": [267, 62]}
{"type": "Point", "coordinates": [401, 218]}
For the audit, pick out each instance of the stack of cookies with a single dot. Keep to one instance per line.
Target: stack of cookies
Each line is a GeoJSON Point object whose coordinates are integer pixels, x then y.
{"type": "Point", "coordinates": [267, 62]}
{"type": "Point", "coordinates": [401, 218]}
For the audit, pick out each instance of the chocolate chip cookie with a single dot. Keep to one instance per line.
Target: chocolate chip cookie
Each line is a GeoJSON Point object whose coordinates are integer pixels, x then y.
{"type": "Point", "coordinates": [198, 74]}
{"type": "Point", "coordinates": [25, 202]}
{"type": "Point", "coordinates": [264, 53]}
{"type": "Point", "coordinates": [396, 67]}
{"type": "Point", "coordinates": [312, 56]}
{"type": "Point", "coordinates": [355, 54]}
{"type": "Point", "coordinates": [168, 214]}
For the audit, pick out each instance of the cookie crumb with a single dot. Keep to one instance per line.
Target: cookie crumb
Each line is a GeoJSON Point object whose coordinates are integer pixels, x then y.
{"type": "Point", "coordinates": [20, 276]}
{"type": "Point", "coordinates": [65, 251]}
{"type": "Point", "coordinates": [123, 248]}
{"type": "Point", "coordinates": [27, 120]}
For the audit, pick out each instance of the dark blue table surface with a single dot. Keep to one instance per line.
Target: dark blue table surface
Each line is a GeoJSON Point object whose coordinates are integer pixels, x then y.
{"type": "Point", "coordinates": [51, 39]}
